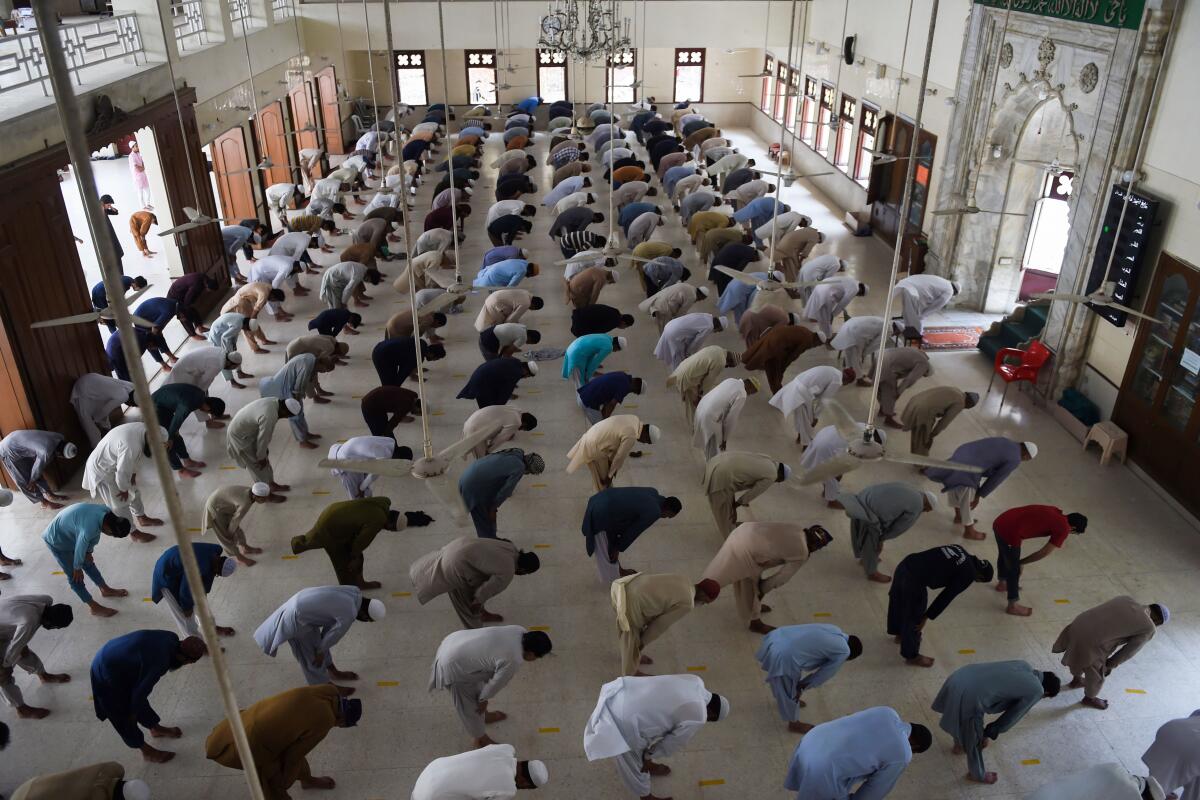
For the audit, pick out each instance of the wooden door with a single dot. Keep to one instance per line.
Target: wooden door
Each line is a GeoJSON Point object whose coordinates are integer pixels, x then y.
{"type": "Point", "coordinates": [234, 186]}
{"type": "Point", "coordinates": [271, 135]}
{"type": "Point", "coordinates": [331, 112]}
{"type": "Point", "coordinates": [1157, 404]}
{"type": "Point", "coordinates": [302, 99]}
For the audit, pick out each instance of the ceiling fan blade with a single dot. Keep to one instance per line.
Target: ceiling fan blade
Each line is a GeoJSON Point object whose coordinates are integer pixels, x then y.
{"type": "Point", "coordinates": [187, 226]}
{"type": "Point", "coordinates": [75, 319]}
{"type": "Point", "coordinates": [909, 458]}
{"type": "Point", "coordinates": [141, 322]}
{"type": "Point", "coordinates": [1070, 298]}
{"type": "Point", "coordinates": [738, 276]}
{"type": "Point", "coordinates": [953, 212]}
{"type": "Point", "coordinates": [444, 489]}
{"type": "Point", "coordinates": [442, 301]}
{"type": "Point", "coordinates": [847, 428]}
{"type": "Point", "coordinates": [838, 465]}
{"type": "Point", "coordinates": [462, 446]}
{"type": "Point", "coordinates": [130, 299]}
{"type": "Point", "coordinates": [1131, 312]}
{"type": "Point", "coordinates": [762, 74]}
{"type": "Point", "coordinates": [392, 467]}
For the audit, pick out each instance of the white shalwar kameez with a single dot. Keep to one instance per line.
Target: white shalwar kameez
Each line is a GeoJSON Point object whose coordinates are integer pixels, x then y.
{"type": "Point", "coordinates": [825, 445]}
{"type": "Point", "coordinates": [920, 296]}
{"type": "Point", "coordinates": [683, 336]}
{"type": "Point", "coordinates": [360, 448]}
{"type": "Point", "coordinates": [95, 397]}
{"type": "Point", "coordinates": [799, 398]}
{"type": "Point", "coordinates": [828, 300]}
{"type": "Point", "coordinates": [111, 467]}
{"type": "Point", "coordinates": [489, 773]}
{"type": "Point", "coordinates": [856, 339]}
{"type": "Point", "coordinates": [340, 282]}
{"type": "Point", "coordinates": [717, 414]}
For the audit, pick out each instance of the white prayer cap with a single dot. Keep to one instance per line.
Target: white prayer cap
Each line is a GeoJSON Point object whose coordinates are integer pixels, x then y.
{"type": "Point", "coordinates": [538, 773]}
{"type": "Point", "coordinates": [234, 358]}
{"type": "Point", "coordinates": [793, 318]}
{"type": "Point", "coordinates": [376, 610]}
{"type": "Point", "coordinates": [954, 285]}
{"type": "Point", "coordinates": [533, 367]}
{"type": "Point", "coordinates": [293, 405]}
{"type": "Point", "coordinates": [621, 342]}
{"type": "Point", "coordinates": [6, 498]}
{"type": "Point", "coordinates": [931, 497]}
{"type": "Point", "coordinates": [253, 324]}
{"type": "Point", "coordinates": [704, 290]}
{"type": "Point", "coordinates": [724, 712]}
{"type": "Point", "coordinates": [787, 472]}
{"type": "Point", "coordinates": [777, 275]}
{"type": "Point", "coordinates": [260, 489]}
{"type": "Point", "coordinates": [69, 450]}
{"type": "Point", "coordinates": [135, 790]}
{"type": "Point", "coordinates": [228, 567]}
{"type": "Point", "coordinates": [1156, 790]}
{"type": "Point", "coordinates": [655, 433]}
{"type": "Point", "coordinates": [1032, 448]}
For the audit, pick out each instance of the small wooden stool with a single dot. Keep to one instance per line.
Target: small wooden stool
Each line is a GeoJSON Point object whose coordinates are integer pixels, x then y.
{"type": "Point", "coordinates": [1110, 438]}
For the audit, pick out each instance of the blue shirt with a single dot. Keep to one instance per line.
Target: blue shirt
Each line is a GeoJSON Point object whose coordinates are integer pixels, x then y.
{"type": "Point", "coordinates": [603, 389]}
{"type": "Point", "coordinates": [169, 574]}
{"type": "Point", "coordinates": [622, 514]}
{"type": "Point", "coordinates": [473, 130]}
{"type": "Point", "coordinates": [586, 354]}
{"type": "Point", "coordinates": [491, 480]}
{"type": "Point", "coordinates": [234, 237]}
{"type": "Point", "coordinates": [509, 272]}
{"type": "Point", "coordinates": [997, 456]}
{"type": "Point", "coordinates": [529, 104]}
{"type": "Point", "coordinates": [330, 321]}
{"type": "Point", "coordinates": [675, 174]}
{"type": "Point", "coordinates": [497, 254]}
{"type": "Point", "coordinates": [126, 669]}
{"type": "Point", "coordinates": [159, 310]}
{"type": "Point", "coordinates": [100, 297]}
{"type": "Point", "coordinates": [792, 651]}
{"type": "Point", "coordinates": [632, 211]}
{"type": "Point", "coordinates": [834, 756]}
{"type": "Point", "coordinates": [76, 529]}
{"type": "Point", "coordinates": [759, 211]}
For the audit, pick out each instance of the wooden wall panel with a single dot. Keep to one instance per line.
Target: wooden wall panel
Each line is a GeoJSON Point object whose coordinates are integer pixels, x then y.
{"type": "Point", "coordinates": [331, 113]}
{"type": "Point", "coordinates": [270, 130]}
{"type": "Point", "coordinates": [235, 188]}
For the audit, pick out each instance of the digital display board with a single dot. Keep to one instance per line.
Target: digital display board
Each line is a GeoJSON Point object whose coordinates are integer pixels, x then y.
{"type": "Point", "coordinates": [1131, 245]}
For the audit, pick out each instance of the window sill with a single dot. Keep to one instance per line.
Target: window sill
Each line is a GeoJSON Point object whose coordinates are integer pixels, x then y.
{"type": "Point", "coordinates": [252, 26]}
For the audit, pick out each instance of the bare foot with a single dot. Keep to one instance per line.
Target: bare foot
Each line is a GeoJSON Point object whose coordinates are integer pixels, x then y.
{"type": "Point", "coordinates": [657, 769]}
{"type": "Point", "coordinates": [52, 677]}
{"type": "Point", "coordinates": [1001, 586]}
{"type": "Point", "coordinates": [974, 535]}
{"type": "Point", "coordinates": [494, 716]}
{"type": "Point", "coordinates": [163, 732]}
{"type": "Point", "coordinates": [891, 423]}
{"type": "Point", "coordinates": [988, 777]}
{"type": "Point", "coordinates": [957, 749]}
{"type": "Point", "coordinates": [149, 522]}
{"type": "Point", "coordinates": [245, 561]}
{"type": "Point", "coordinates": [483, 741]}
{"type": "Point", "coordinates": [254, 551]}
{"type": "Point", "coordinates": [800, 727]}
{"type": "Point", "coordinates": [919, 661]}
{"type": "Point", "coordinates": [276, 498]}
{"type": "Point", "coordinates": [1076, 683]}
{"type": "Point", "coordinates": [280, 487]}
{"type": "Point", "coordinates": [102, 611]}
{"type": "Point", "coordinates": [189, 473]}
{"type": "Point", "coordinates": [370, 585]}
{"type": "Point", "coordinates": [758, 626]}
{"type": "Point", "coordinates": [223, 630]}
{"type": "Point", "coordinates": [1095, 702]}
{"type": "Point", "coordinates": [343, 675]}
{"type": "Point", "coordinates": [108, 591]}
{"type": "Point", "coordinates": [50, 505]}
{"type": "Point", "coordinates": [308, 445]}
{"type": "Point", "coordinates": [32, 712]}
{"type": "Point", "coordinates": [142, 536]}
{"type": "Point", "coordinates": [487, 616]}
{"type": "Point", "coordinates": [646, 660]}
{"type": "Point", "coordinates": [156, 756]}
{"type": "Point", "coordinates": [879, 577]}
{"type": "Point", "coordinates": [764, 608]}
{"type": "Point", "coordinates": [317, 783]}
{"type": "Point", "coordinates": [1018, 610]}
{"type": "Point", "coordinates": [834, 504]}
{"type": "Point", "coordinates": [237, 385]}
{"type": "Point", "coordinates": [344, 691]}
{"type": "Point", "coordinates": [321, 400]}
{"type": "Point", "coordinates": [10, 562]}
{"type": "Point", "coordinates": [213, 424]}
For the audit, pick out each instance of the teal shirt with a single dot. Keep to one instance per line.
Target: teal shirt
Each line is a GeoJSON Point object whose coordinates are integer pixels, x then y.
{"type": "Point", "coordinates": [586, 354]}
{"type": "Point", "coordinates": [76, 529]}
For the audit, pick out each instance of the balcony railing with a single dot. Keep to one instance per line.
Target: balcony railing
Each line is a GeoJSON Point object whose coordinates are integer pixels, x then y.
{"type": "Point", "coordinates": [85, 45]}
{"type": "Point", "coordinates": [187, 18]}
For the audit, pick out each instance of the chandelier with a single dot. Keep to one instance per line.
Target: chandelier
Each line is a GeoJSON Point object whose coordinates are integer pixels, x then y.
{"type": "Point", "coordinates": [584, 29]}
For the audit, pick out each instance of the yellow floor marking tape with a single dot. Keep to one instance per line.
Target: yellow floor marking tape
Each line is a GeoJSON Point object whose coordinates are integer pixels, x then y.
{"type": "Point", "coordinates": [548, 730]}
{"type": "Point", "coordinates": [966, 652]}
{"type": "Point", "coordinates": [401, 594]}
{"type": "Point", "coordinates": [822, 614]}
{"type": "Point", "coordinates": [539, 627]}
{"type": "Point", "coordinates": [288, 558]}
{"type": "Point", "coordinates": [1029, 762]}
{"type": "Point", "coordinates": [1062, 601]}
{"type": "Point", "coordinates": [1136, 691]}
{"type": "Point", "coordinates": [713, 782]}
{"type": "Point", "coordinates": [542, 546]}
{"type": "Point", "coordinates": [387, 683]}
{"type": "Point", "coordinates": [697, 669]}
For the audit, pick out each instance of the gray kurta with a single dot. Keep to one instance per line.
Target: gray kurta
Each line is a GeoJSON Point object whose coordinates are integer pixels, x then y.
{"type": "Point", "coordinates": [311, 622]}
{"type": "Point", "coordinates": [877, 514]}
{"type": "Point", "coordinates": [902, 367]}
{"type": "Point", "coordinates": [470, 570]}
{"type": "Point", "coordinates": [475, 665]}
{"type": "Point", "coordinates": [731, 472]}
{"type": "Point", "coordinates": [249, 437]}
{"type": "Point", "coordinates": [25, 455]}
{"type": "Point", "coordinates": [1174, 758]}
{"type": "Point", "coordinates": [295, 380]}
{"type": "Point", "coordinates": [1103, 638]}
{"type": "Point", "coordinates": [20, 619]}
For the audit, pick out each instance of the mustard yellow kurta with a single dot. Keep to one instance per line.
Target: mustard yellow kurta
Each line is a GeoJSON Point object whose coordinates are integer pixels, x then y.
{"type": "Point", "coordinates": [930, 412]}
{"type": "Point", "coordinates": [604, 447]}
{"type": "Point", "coordinates": [731, 472]}
{"type": "Point", "coordinates": [646, 605]}
{"type": "Point", "coordinates": [94, 782]}
{"type": "Point", "coordinates": [696, 375]}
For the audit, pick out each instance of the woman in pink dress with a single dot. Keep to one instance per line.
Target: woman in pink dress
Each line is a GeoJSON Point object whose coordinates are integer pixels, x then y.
{"type": "Point", "coordinates": [141, 182]}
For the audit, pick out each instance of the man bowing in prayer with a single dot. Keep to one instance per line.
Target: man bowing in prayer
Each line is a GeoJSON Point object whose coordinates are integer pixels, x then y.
{"type": "Point", "coordinates": [615, 518]}
{"type": "Point", "coordinates": [471, 572]}
{"type": "Point", "coordinates": [830, 298]}
{"type": "Point", "coordinates": [223, 513]}
{"type": "Point", "coordinates": [26, 454]}
{"type": "Point", "coordinates": [869, 749]}
{"type": "Point", "coordinates": [637, 719]}
{"type": "Point", "coordinates": [921, 296]}
{"type": "Point", "coordinates": [1103, 638]}
{"type": "Point", "coordinates": [902, 368]}
{"type": "Point", "coordinates": [22, 616]}
{"type": "Point", "coordinates": [494, 382]}
{"type": "Point", "coordinates": [683, 336]}
{"type": "Point", "coordinates": [698, 374]}
{"type": "Point", "coordinates": [1016, 525]}
{"type": "Point", "coordinates": [777, 349]}
{"type": "Point", "coordinates": [750, 550]}
{"type": "Point", "coordinates": [800, 399]}
{"type": "Point", "coordinates": [248, 439]}
{"type": "Point", "coordinates": [489, 773]}
{"type": "Point", "coordinates": [1007, 688]}
{"type": "Point", "coordinates": [282, 730]}
{"type": "Point", "coordinates": [365, 448]}
{"type": "Point", "coordinates": [801, 657]}
{"type": "Point", "coordinates": [476, 664]}
{"type": "Point", "coordinates": [125, 671]}
{"type": "Point", "coordinates": [110, 474]}
{"type": "Point", "coordinates": [487, 482]}
{"type": "Point", "coordinates": [949, 568]}
{"type": "Point", "coordinates": [604, 447]}
{"type": "Point", "coordinates": [72, 536]}
{"type": "Point", "coordinates": [827, 445]}
{"type": "Point", "coordinates": [345, 530]}
{"type": "Point", "coordinates": [879, 513]}
{"type": "Point", "coordinates": [103, 781]}
{"type": "Point", "coordinates": [1174, 757]}
{"type": "Point", "coordinates": [170, 583]}
{"type": "Point", "coordinates": [647, 605]}
{"type": "Point", "coordinates": [600, 396]}
{"type": "Point", "coordinates": [311, 622]}
{"type": "Point", "coordinates": [502, 423]}
{"type": "Point", "coordinates": [585, 355]}
{"type": "Point", "coordinates": [731, 472]}
{"type": "Point", "coordinates": [930, 412]}
{"type": "Point", "coordinates": [1101, 782]}
{"type": "Point", "coordinates": [997, 458]}
{"type": "Point", "coordinates": [717, 413]}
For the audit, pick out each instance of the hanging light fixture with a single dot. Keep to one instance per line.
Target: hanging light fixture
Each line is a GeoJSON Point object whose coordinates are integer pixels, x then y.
{"type": "Point", "coordinates": [584, 29]}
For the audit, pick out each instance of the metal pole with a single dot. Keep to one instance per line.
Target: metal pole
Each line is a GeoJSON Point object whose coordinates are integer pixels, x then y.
{"type": "Point", "coordinates": [449, 161]}
{"type": "Point", "coordinates": [905, 205]}
{"type": "Point", "coordinates": [67, 106]}
{"type": "Point", "coordinates": [427, 439]}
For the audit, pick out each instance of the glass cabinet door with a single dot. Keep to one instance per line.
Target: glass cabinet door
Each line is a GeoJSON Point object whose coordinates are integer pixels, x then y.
{"type": "Point", "coordinates": [1158, 352]}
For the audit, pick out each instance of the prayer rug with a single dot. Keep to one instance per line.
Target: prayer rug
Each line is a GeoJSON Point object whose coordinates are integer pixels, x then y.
{"type": "Point", "coordinates": [954, 337]}
{"type": "Point", "coordinates": [547, 354]}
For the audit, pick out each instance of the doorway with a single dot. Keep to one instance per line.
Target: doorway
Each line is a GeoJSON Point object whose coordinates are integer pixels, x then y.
{"type": "Point", "coordinates": [1049, 231]}
{"type": "Point", "coordinates": [1157, 404]}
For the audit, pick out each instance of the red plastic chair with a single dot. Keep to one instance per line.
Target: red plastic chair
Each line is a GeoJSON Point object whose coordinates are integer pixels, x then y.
{"type": "Point", "coordinates": [1032, 361]}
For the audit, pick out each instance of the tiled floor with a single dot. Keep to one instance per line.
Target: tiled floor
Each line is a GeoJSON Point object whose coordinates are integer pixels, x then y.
{"type": "Point", "coordinates": [1135, 545]}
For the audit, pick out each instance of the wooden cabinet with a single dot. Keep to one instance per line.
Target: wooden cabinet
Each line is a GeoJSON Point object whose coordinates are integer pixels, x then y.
{"type": "Point", "coordinates": [885, 192]}
{"type": "Point", "coordinates": [1157, 404]}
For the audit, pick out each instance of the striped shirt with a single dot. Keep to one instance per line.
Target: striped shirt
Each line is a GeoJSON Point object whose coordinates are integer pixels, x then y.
{"type": "Point", "coordinates": [581, 240]}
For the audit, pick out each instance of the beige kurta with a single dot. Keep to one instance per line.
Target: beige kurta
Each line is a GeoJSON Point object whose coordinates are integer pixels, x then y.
{"type": "Point", "coordinates": [400, 324]}
{"type": "Point", "coordinates": [422, 268]}
{"type": "Point", "coordinates": [793, 248]}
{"type": "Point", "coordinates": [248, 300]}
{"type": "Point", "coordinates": [223, 513]}
{"type": "Point", "coordinates": [94, 782]}
{"type": "Point", "coordinates": [502, 421]}
{"type": "Point", "coordinates": [750, 550]}
{"type": "Point", "coordinates": [505, 305]}
{"type": "Point", "coordinates": [731, 472]}
{"type": "Point", "coordinates": [930, 412]}
{"type": "Point", "coordinates": [645, 606]}
{"type": "Point", "coordinates": [470, 570]}
{"type": "Point", "coordinates": [669, 303]}
{"type": "Point", "coordinates": [696, 375]}
{"type": "Point", "coordinates": [1103, 638]}
{"type": "Point", "coordinates": [248, 437]}
{"type": "Point", "coordinates": [902, 367]}
{"type": "Point", "coordinates": [604, 447]}
{"type": "Point", "coordinates": [714, 240]}
{"type": "Point", "coordinates": [584, 289]}
{"type": "Point", "coordinates": [319, 345]}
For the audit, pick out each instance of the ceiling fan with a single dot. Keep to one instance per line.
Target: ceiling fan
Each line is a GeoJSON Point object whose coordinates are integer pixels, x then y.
{"type": "Point", "coordinates": [957, 209]}
{"type": "Point", "coordinates": [261, 166]}
{"type": "Point", "coordinates": [1055, 166]}
{"type": "Point", "coordinates": [195, 219]}
{"type": "Point", "coordinates": [770, 291]}
{"type": "Point", "coordinates": [863, 447]}
{"type": "Point", "coordinates": [762, 73]}
{"type": "Point", "coordinates": [103, 315]}
{"type": "Point", "coordinates": [308, 128]}
{"type": "Point", "coordinates": [788, 178]}
{"type": "Point", "coordinates": [434, 471]}
{"type": "Point", "coordinates": [1101, 298]}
